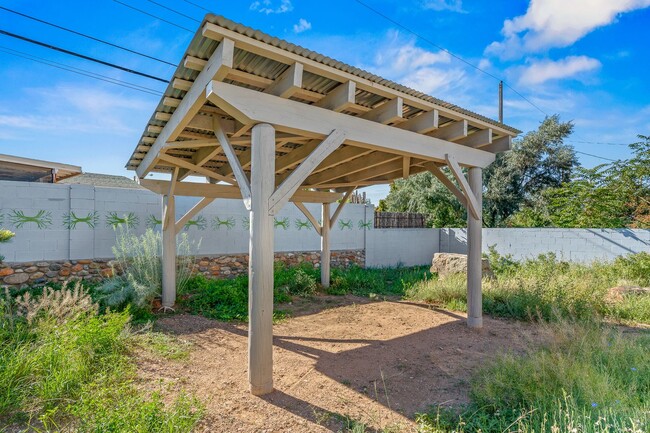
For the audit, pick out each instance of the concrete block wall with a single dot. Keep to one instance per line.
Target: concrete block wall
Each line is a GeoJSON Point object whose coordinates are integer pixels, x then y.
{"type": "Point", "coordinates": [72, 222]}
{"type": "Point", "coordinates": [576, 245]}
{"type": "Point", "coordinates": [406, 247]}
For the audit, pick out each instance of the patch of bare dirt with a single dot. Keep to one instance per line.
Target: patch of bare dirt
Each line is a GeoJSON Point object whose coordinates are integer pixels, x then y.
{"type": "Point", "coordinates": [374, 362]}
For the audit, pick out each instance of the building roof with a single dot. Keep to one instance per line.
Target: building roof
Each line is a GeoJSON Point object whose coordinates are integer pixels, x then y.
{"type": "Point", "coordinates": [233, 75]}
{"type": "Point", "coordinates": [102, 180]}
{"type": "Point", "coordinates": [34, 170]}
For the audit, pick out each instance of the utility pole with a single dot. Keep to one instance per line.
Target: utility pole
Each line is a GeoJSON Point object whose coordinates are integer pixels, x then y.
{"type": "Point", "coordinates": [500, 101]}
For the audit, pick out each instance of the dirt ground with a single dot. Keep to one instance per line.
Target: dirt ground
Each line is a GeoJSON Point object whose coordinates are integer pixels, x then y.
{"type": "Point", "coordinates": [337, 359]}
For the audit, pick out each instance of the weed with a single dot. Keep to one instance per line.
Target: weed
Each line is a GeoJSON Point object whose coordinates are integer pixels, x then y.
{"type": "Point", "coordinates": [587, 378]}
{"type": "Point", "coordinates": [547, 288]}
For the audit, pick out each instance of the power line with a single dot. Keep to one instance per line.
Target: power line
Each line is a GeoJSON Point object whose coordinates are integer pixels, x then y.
{"type": "Point", "coordinates": [598, 142]}
{"type": "Point", "coordinates": [386, 17]}
{"type": "Point", "coordinates": [153, 16]}
{"type": "Point", "coordinates": [174, 11]}
{"type": "Point", "coordinates": [596, 156]}
{"type": "Point", "coordinates": [80, 71]}
{"type": "Point", "coordinates": [198, 6]}
{"type": "Point", "coordinates": [82, 56]}
{"type": "Point", "coordinates": [86, 36]}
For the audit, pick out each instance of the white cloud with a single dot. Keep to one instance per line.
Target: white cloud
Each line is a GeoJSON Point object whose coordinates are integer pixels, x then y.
{"type": "Point", "coordinates": [268, 7]}
{"type": "Point", "coordinates": [399, 59]}
{"type": "Point", "coordinates": [302, 26]}
{"type": "Point", "coordinates": [545, 70]}
{"type": "Point", "coordinates": [557, 23]}
{"type": "Point", "coordinates": [444, 5]}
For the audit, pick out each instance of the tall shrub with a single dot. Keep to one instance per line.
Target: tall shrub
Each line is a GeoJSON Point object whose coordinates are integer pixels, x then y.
{"type": "Point", "coordinates": [139, 258]}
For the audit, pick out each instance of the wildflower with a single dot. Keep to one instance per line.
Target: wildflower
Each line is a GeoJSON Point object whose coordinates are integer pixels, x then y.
{"type": "Point", "coordinates": [593, 404]}
{"type": "Point", "coordinates": [633, 368]}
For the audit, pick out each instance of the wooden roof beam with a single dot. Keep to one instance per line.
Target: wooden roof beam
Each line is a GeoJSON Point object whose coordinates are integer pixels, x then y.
{"type": "Point", "coordinates": [250, 107]}
{"type": "Point", "coordinates": [501, 144]}
{"type": "Point", "coordinates": [217, 67]}
{"type": "Point", "coordinates": [217, 33]}
{"type": "Point", "coordinates": [479, 138]}
{"type": "Point", "coordinates": [209, 190]}
{"type": "Point", "coordinates": [389, 112]}
{"type": "Point", "coordinates": [354, 166]}
{"type": "Point", "coordinates": [422, 123]}
{"type": "Point", "coordinates": [341, 98]}
{"type": "Point", "coordinates": [288, 83]}
{"type": "Point", "coordinates": [452, 131]}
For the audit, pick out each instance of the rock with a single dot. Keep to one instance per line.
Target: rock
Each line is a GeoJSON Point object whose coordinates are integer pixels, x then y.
{"type": "Point", "coordinates": [64, 272]}
{"type": "Point", "coordinates": [84, 262]}
{"type": "Point", "coordinates": [106, 273]}
{"type": "Point", "coordinates": [82, 273]}
{"type": "Point", "coordinates": [77, 268]}
{"type": "Point", "coordinates": [6, 271]}
{"type": "Point", "coordinates": [36, 275]}
{"type": "Point", "coordinates": [42, 264]}
{"type": "Point", "coordinates": [51, 274]}
{"type": "Point", "coordinates": [55, 267]}
{"type": "Point", "coordinates": [618, 293]}
{"type": "Point", "coordinates": [15, 279]}
{"type": "Point", "coordinates": [449, 263]}
{"type": "Point", "coordinates": [31, 269]}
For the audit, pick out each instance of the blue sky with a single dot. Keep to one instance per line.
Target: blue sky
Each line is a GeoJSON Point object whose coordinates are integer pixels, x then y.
{"type": "Point", "coordinates": [584, 59]}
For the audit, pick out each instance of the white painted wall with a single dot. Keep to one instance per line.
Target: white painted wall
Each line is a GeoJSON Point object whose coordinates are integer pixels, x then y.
{"type": "Point", "coordinates": [406, 247]}
{"type": "Point", "coordinates": [221, 227]}
{"type": "Point", "coordinates": [52, 240]}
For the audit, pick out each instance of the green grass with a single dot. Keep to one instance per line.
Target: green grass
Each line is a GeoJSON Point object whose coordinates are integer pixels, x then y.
{"type": "Point", "coordinates": [547, 288]}
{"type": "Point", "coordinates": [228, 299]}
{"type": "Point", "coordinates": [66, 366]}
{"type": "Point", "coordinates": [586, 378]}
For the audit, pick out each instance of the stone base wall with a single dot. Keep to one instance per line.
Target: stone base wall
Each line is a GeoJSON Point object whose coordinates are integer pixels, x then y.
{"type": "Point", "coordinates": [229, 266]}
{"type": "Point", "coordinates": [14, 275]}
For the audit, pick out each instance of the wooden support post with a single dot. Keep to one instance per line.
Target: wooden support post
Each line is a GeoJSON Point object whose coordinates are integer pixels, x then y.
{"type": "Point", "coordinates": [260, 268]}
{"type": "Point", "coordinates": [474, 258]}
{"type": "Point", "coordinates": [169, 252]}
{"type": "Point", "coordinates": [325, 247]}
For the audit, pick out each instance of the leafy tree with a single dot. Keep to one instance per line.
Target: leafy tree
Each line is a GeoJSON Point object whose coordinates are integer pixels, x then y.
{"type": "Point", "coordinates": [607, 196]}
{"type": "Point", "coordinates": [423, 193]}
{"type": "Point", "coordinates": [538, 161]}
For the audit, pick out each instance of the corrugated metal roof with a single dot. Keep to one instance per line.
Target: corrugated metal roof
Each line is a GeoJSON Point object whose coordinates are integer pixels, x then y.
{"type": "Point", "coordinates": [202, 47]}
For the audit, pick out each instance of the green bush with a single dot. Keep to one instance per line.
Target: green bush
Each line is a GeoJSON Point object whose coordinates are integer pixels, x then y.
{"type": "Point", "coordinates": [65, 365]}
{"type": "Point", "coordinates": [586, 377]}
{"type": "Point", "coordinates": [139, 259]}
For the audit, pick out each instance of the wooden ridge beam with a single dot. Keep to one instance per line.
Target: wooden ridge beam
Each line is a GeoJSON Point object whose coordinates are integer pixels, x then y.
{"type": "Point", "coordinates": [361, 175]}
{"type": "Point", "coordinates": [194, 189]}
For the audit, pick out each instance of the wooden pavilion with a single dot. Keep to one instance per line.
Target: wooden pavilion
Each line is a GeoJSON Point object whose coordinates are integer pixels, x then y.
{"type": "Point", "coordinates": [270, 122]}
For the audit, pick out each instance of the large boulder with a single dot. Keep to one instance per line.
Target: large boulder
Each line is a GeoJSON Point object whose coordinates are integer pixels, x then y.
{"type": "Point", "coordinates": [445, 264]}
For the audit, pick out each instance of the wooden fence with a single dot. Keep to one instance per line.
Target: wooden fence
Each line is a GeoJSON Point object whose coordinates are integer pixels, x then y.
{"type": "Point", "coordinates": [399, 220]}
